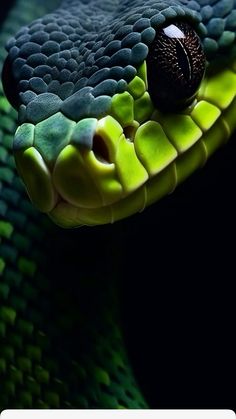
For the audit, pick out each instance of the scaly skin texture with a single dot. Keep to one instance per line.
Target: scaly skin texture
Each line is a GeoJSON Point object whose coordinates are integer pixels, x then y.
{"type": "Point", "coordinates": [61, 344]}
{"type": "Point", "coordinates": [92, 148]}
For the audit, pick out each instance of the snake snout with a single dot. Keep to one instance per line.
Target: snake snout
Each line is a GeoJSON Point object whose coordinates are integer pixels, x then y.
{"type": "Point", "coordinates": [77, 163]}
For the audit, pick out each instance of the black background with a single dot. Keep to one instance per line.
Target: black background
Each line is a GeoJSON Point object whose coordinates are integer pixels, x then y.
{"type": "Point", "coordinates": [5, 7]}
{"type": "Point", "coordinates": [178, 291]}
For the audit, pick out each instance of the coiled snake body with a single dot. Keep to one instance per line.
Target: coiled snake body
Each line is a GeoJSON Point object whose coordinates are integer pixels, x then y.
{"type": "Point", "coordinates": [98, 140]}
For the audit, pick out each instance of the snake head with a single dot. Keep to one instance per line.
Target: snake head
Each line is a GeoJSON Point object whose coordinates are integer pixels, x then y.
{"type": "Point", "coordinates": [112, 118]}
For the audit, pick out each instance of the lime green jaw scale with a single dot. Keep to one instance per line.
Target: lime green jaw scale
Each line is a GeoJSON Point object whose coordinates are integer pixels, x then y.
{"type": "Point", "coordinates": [99, 171]}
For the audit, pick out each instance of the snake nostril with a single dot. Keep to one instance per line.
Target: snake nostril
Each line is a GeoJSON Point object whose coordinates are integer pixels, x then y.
{"type": "Point", "coordinates": [100, 149]}
{"type": "Point", "coordinates": [129, 132]}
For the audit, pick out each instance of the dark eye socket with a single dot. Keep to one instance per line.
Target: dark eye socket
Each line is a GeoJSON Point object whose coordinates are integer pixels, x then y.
{"type": "Point", "coordinates": [9, 84]}
{"type": "Point", "coordinates": [175, 67]}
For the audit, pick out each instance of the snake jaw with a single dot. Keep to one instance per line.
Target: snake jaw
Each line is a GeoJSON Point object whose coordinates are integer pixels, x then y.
{"type": "Point", "coordinates": [75, 169]}
{"type": "Point", "coordinates": [97, 171]}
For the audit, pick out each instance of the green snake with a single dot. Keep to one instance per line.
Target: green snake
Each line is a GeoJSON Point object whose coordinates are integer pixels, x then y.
{"type": "Point", "coordinates": [107, 125]}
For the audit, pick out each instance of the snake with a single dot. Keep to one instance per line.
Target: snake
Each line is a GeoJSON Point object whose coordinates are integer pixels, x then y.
{"type": "Point", "coordinates": [106, 106]}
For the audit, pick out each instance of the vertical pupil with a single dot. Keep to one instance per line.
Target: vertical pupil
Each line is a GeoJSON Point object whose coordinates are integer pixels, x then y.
{"type": "Point", "coordinates": [184, 60]}
{"type": "Point", "coordinates": [175, 67]}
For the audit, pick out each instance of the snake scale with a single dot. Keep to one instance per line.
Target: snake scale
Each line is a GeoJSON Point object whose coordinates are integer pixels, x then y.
{"type": "Point", "coordinates": [92, 112]}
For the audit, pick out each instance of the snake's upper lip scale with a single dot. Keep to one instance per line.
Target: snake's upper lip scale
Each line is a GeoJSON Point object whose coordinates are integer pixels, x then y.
{"type": "Point", "coordinates": [86, 167]}
{"type": "Point", "coordinates": [94, 164]}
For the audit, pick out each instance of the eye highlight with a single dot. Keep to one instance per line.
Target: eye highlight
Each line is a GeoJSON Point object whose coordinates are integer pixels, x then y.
{"type": "Point", "coordinates": [175, 67]}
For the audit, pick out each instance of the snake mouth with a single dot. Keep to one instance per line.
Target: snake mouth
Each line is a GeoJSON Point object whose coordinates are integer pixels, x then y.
{"type": "Point", "coordinates": [98, 171]}
{"type": "Point", "coordinates": [91, 165]}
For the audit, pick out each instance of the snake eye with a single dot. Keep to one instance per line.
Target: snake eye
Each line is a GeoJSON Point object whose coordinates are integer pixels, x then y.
{"type": "Point", "coordinates": [175, 67]}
